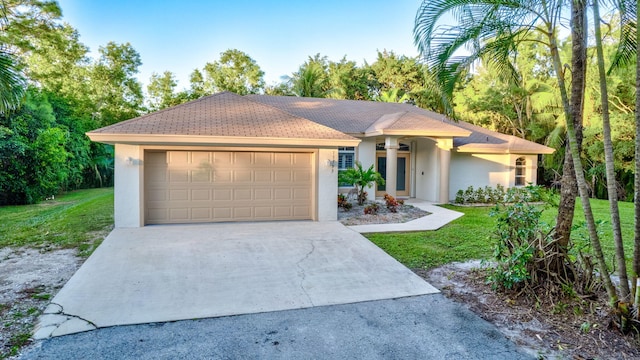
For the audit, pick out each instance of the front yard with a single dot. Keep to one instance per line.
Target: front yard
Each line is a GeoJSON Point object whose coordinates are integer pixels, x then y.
{"type": "Point", "coordinates": [45, 243]}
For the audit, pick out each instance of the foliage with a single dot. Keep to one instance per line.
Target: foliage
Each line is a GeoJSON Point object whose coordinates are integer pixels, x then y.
{"type": "Point", "coordinates": [391, 203]}
{"type": "Point", "coordinates": [235, 71]}
{"type": "Point", "coordinates": [115, 90]}
{"type": "Point", "coordinates": [518, 236]}
{"type": "Point", "coordinates": [343, 203]}
{"type": "Point", "coordinates": [33, 153]}
{"type": "Point", "coordinates": [371, 209]}
{"type": "Point", "coordinates": [361, 179]}
{"type": "Point", "coordinates": [490, 195]}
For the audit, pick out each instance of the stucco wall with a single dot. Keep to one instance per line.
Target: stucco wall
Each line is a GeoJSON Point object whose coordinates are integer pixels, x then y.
{"type": "Point", "coordinates": [427, 171]}
{"type": "Point", "coordinates": [128, 184]}
{"type": "Point", "coordinates": [327, 185]}
{"type": "Point", "coordinates": [479, 170]}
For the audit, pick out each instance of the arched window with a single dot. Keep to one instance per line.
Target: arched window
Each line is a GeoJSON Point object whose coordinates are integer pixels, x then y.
{"type": "Point", "coordinates": [521, 171]}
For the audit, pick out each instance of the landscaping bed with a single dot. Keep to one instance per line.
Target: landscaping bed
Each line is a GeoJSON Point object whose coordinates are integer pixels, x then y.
{"type": "Point", "coordinates": [572, 329]}
{"type": "Point", "coordinates": [356, 215]}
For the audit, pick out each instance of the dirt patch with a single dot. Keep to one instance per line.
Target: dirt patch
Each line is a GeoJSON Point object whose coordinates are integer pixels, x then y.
{"type": "Point", "coordinates": [29, 279]}
{"type": "Point", "coordinates": [571, 330]}
{"type": "Point", "coordinates": [356, 215]}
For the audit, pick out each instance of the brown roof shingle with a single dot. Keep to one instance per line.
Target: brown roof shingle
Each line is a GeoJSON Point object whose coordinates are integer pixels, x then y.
{"type": "Point", "coordinates": [362, 117]}
{"type": "Point", "coordinates": [224, 115]}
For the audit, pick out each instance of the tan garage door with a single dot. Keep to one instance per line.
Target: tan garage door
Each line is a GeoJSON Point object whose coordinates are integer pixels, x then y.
{"type": "Point", "coordinates": [207, 186]}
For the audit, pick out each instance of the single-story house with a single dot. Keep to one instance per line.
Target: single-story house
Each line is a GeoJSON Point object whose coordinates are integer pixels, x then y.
{"type": "Point", "coordinates": [227, 157]}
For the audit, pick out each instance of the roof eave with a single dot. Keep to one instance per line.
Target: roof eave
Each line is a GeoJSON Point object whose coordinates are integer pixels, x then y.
{"type": "Point", "coordinates": [501, 150]}
{"type": "Point", "coordinates": [435, 134]}
{"type": "Point", "coordinates": [201, 140]}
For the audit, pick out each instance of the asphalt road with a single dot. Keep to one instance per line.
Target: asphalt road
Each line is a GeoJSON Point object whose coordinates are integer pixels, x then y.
{"type": "Point", "coordinates": [421, 327]}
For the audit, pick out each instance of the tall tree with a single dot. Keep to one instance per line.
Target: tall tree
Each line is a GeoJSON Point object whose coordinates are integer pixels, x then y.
{"type": "Point", "coordinates": [161, 90]}
{"type": "Point", "coordinates": [612, 187]}
{"type": "Point", "coordinates": [311, 79]}
{"type": "Point", "coordinates": [494, 28]}
{"type": "Point", "coordinates": [115, 90]}
{"type": "Point", "coordinates": [20, 22]}
{"type": "Point", "coordinates": [236, 72]}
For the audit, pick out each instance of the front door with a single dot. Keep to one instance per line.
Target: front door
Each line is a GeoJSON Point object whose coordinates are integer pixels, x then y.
{"type": "Point", "coordinates": [402, 184]}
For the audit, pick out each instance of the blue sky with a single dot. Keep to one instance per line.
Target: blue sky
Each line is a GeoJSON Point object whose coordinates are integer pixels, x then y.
{"type": "Point", "coordinates": [180, 36]}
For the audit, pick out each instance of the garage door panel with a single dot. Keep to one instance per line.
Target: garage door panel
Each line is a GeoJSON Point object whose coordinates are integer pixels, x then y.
{"type": "Point", "coordinates": [203, 176]}
{"type": "Point", "coordinates": [200, 213]}
{"type": "Point", "coordinates": [222, 194]}
{"type": "Point", "coordinates": [156, 195]}
{"type": "Point", "coordinates": [178, 176]}
{"type": "Point", "coordinates": [185, 186]}
{"type": "Point", "coordinates": [282, 176]}
{"type": "Point", "coordinates": [201, 194]}
{"type": "Point", "coordinates": [222, 176]}
{"type": "Point", "coordinates": [240, 176]}
{"type": "Point", "coordinates": [262, 194]}
{"type": "Point", "coordinates": [263, 176]}
{"type": "Point", "coordinates": [178, 157]}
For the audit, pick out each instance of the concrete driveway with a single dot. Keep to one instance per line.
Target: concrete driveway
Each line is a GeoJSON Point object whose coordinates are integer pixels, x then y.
{"type": "Point", "coordinates": [176, 272]}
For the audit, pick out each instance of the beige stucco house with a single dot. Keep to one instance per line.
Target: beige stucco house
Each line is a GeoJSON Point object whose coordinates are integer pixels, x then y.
{"type": "Point", "coordinates": [227, 157]}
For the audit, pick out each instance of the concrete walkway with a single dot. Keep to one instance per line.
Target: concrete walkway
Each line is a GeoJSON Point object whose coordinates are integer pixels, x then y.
{"type": "Point", "coordinates": [176, 272]}
{"type": "Point", "coordinates": [438, 218]}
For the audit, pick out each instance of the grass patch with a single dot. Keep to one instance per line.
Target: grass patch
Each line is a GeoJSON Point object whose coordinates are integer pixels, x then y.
{"type": "Point", "coordinates": [460, 240]}
{"type": "Point", "coordinates": [78, 219]}
{"type": "Point", "coordinates": [467, 238]}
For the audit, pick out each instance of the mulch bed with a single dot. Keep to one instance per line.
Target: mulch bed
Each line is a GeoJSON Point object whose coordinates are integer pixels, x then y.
{"type": "Point", "coordinates": [571, 329]}
{"type": "Point", "coordinates": [356, 215]}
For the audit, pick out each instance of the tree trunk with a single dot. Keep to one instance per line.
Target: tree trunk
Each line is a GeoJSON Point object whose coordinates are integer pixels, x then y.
{"type": "Point", "coordinates": [580, 5]}
{"type": "Point", "coordinates": [612, 188]}
{"type": "Point", "coordinates": [569, 187]}
{"type": "Point", "coordinates": [636, 181]}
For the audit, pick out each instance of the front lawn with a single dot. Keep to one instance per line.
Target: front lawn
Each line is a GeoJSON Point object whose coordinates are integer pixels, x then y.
{"type": "Point", "coordinates": [78, 219]}
{"type": "Point", "coordinates": [467, 238]}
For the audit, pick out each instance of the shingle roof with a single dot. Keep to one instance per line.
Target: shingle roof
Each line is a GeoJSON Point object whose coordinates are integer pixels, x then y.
{"type": "Point", "coordinates": [485, 140]}
{"type": "Point", "coordinates": [356, 117]}
{"type": "Point", "coordinates": [224, 115]}
{"type": "Point", "coordinates": [366, 117]}
{"type": "Point", "coordinates": [263, 119]}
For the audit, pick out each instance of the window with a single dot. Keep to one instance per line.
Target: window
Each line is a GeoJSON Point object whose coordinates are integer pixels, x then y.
{"type": "Point", "coordinates": [521, 171]}
{"type": "Point", "coordinates": [346, 156]}
{"type": "Point", "coordinates": [401, 147]}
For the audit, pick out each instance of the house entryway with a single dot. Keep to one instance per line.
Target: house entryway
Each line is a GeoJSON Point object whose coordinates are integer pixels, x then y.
{"type": "Point", "coordinates": [402, 174]}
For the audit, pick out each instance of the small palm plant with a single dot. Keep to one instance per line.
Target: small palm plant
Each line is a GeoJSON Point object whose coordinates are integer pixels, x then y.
{"type": "Point", "coordinates": [361, 179]}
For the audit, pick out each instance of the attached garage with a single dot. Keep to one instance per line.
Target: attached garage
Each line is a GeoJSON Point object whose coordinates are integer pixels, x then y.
{"type": "Point", "coordinates": [223, 158]}
{"type": "Point", "coordinates": [214, 186]}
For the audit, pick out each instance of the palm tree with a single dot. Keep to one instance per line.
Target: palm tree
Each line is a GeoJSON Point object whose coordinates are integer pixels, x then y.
{"type": "Point", "coordinates": [491, 30]}
{"type": "Point", "coordinates": [392, 96]}
{"type": "Point", "coordinates": [609, 162]}
{"type": "Point", "coordinates": [629, 50]}
{"type": "Point", "coordinates": [361, 179]}
{"type": "Point", "coordinates": [12, 85]}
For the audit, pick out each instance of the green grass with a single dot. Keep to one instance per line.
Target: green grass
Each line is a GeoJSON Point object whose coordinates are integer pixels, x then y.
{"type": "Point", "coordinates": [467, 238]}
{"type": "Point", "coordinates": [78, 219]}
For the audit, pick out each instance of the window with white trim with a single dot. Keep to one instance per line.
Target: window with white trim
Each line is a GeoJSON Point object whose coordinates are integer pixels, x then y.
{"type": "Point", "coordinates": [346, 157]}
{"type": "Point", "coordinates": [521, 171]}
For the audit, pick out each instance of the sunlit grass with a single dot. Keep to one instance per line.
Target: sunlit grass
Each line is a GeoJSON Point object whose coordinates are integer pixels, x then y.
{"type": "Point", "coordinates": [469, 236]}
{"type": "Point", "coordinates": [78, 219]}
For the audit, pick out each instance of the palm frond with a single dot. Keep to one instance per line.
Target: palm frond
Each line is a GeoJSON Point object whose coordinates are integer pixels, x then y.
{"type": "Point", "coordinates": [626, 52]}
{"type": "Point", "coordinates": [12, 84]}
